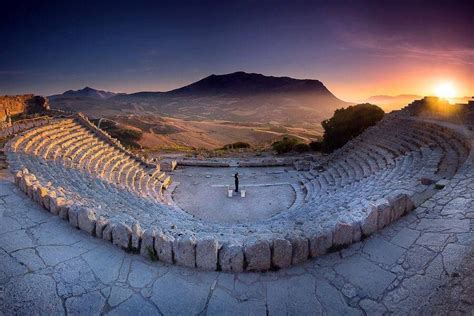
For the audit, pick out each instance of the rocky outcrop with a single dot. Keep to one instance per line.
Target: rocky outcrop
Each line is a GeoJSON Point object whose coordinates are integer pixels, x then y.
{"type": "Point", "coordinates": [19, 104]}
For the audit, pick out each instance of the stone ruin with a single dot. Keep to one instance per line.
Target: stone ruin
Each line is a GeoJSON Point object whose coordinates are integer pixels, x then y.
{"type": "Point", "coordinates": [82, 175]}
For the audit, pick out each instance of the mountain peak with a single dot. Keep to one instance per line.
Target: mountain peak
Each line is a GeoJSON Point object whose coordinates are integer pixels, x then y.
{"type": "Point", "coordinates": [88, 92]}
{"type": "Point", "coordinates": [243, 83]}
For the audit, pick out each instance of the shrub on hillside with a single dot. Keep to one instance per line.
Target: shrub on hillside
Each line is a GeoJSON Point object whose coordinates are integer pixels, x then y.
{"type": "Point", "coordinates": [236, 145]}
{"type": "Point", "coordinates": [285, 145]}
{"type": "Point", "coordinates": [301, 148]}
{"type": "Point", "coordinates": [348, 123]}
{"type": "Point", "coordinates": [316, 145]}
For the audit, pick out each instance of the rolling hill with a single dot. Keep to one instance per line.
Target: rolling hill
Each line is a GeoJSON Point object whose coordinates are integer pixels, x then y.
{"type": "Point", "coordinates": [255, 100]}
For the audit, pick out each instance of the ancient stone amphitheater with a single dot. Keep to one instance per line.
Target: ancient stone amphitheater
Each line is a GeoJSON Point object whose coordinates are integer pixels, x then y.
{"type": "Point", "coordinates": [82, 175]}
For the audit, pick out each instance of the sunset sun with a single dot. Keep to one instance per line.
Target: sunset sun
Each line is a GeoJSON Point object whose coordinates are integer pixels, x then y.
{"type": "Point", "coordinates": [445, 90]}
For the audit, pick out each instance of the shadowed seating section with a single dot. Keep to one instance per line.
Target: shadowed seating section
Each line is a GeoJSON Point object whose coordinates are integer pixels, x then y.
{"type": "Point", "coordinates": [98, 187]}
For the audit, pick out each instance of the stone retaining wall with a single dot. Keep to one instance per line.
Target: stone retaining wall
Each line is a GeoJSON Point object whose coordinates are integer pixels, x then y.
{"type": "Point", "coordinates": [256, 253]}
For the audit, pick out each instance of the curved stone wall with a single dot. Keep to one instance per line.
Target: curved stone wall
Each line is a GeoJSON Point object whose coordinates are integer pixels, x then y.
{"type": "Point", "coordinates": [361, 188]}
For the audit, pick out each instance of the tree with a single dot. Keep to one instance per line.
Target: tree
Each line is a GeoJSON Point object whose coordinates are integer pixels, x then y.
{"type": "Point", "coordinates": [348, 123]}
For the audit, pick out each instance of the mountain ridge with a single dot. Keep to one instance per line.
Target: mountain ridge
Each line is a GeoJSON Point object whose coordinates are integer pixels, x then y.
{"type": "Point", "coordinates": [86, 92]}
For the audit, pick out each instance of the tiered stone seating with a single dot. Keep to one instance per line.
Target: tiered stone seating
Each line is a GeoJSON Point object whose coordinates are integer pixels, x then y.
{"type": "Point", "coordinates": [75, 146]}
{"type": "Point", "coordinates": [356, 190]}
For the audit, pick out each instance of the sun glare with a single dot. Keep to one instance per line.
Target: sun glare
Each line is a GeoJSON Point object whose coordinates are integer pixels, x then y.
{"type": "Point", "coordinates": [445, 90]}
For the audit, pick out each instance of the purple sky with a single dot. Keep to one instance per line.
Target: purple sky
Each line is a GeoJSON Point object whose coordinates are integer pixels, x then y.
{"type": "Point", "coordinates": [357, 48]}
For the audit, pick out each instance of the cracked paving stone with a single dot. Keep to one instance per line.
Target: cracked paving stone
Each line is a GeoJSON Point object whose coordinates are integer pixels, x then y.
{"type": "Point", "coordinates": [366, 275]}
{"type": "Point", "coordinates": [29, 258]}
{"type": "Point", "coordinates": [31, 294]}
{"type": "Point", "coordinates": [52, 255]}
{"type": "Point", "coordinates": [193, 288]}
{"type": "Point", "coordinates": [405, 237]}
{"type": "Point", "coordinates": [15, 240]}
{"type": "Point", "coordinates": [222, 303]}
{"type": "Point", "coordinates": [293, 296]}
{"type": "Point", "coordinates": [105, 262]}
{"type": "Point", "coordinates": [141, 274]}
{"type": "Point", "coordinates": [74, 277]}
{"type": "Point", "coordinates": [382, 251]}
{"type": "Point", "coordinates": [136, 306]}
{"type": "Point", "coordinates": [86, 304]}
{"type": "Point", "coordinates": [118, 295]}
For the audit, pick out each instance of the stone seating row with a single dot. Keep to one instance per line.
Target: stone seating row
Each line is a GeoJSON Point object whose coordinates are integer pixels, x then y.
{"type": "Point", "coordinates": [76, 147]}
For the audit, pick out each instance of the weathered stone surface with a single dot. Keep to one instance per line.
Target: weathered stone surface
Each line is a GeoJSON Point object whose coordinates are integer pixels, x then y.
{"type": "Point", "coordinates": [342, 234]}
{"type": "Point", "coordinates": [47, 200]}
{"type": "Point", "coordinates": [86, 304]}
{"type": "Point", "coordinates": [100, 225]}
{"type": "Point", "coordinates": [121, 235]}
{"type": "Point", "coordinates": [398, 202]}
{"type": "Point", "coordinates": [370, 223]}
{"type": "Point", "coordinates": [257, 254]}
{"type": "Point", "coordinates": [164, 247]}
{"type": "Point", "coordinates": [73, 212]}
{"type": "Point", "coordinates": [231, 258]}
{"type": "Point", "coordinates": [282, 253]}
{"type": "Point", "coordinates": [86, 220]}
{"type": "Point", "coordinates": [365, 274]}
{"type": "Point", "coordinates": [63, 206]}
{"type": "Point", "coordinates": [184, 250]}
{"type": "Point", "coordinates": [148, 243]}
{"type": "Point", "coordinates": [319, 243]}
{"type": "Point", "coordinates": [206, 253]}
{"type": "Point", "coordinates": [300, 248]}
{"type": "Point", "coordinates": [137, 233]}
{"type": "Point", "coordinates": [384, 211]}
{"type": "Point", "coordinates": [107, 231]}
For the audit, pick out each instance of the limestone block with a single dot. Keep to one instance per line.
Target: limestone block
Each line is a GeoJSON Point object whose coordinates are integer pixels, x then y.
{"type": "Point", "coordinates": [319, 243]}
{"type": "Point", "coordinates": [43, 196]}
{"type": "Point", "coordinates": [384, 211]}
{"type": "Point", "coordinates": [300, 247]}
{"type": "Point", "coordinates": [86, 220]}
{"type": "Point", "coordinates": [257, 254]}
{"type": "Point", "coordinates": [282, 253]}
{"type": "Point", "coordinates": [342, 234]}
{"type": "Point", "coordinates": [231, 258]}
{"type": "Point", "coordinates": [31, 188]}
{"type": "Point", "coordinates": [370, 223]}
{"type": "Point", "coordinates": [164, 247]}
{"type": "Point", "coordinates": [48, 200]}
{"type": "Point", "coordinates": [64, 209]}
{"type": "Point", "coordinates": [72, 215]}
{"type": "Point", "coordinates": [148, 242]}
{"type": "Point", "coordinates": [36, 193]}
{"type": "Point", "coordinates": [107, 231]}
{"type": "Point", "coordinates": [397, 201]}
{"type": "Point", "coordinates": [121, 235]}
{"type": "Point", "coordinates": [137, 233]}
{"type": "Point", "coordinates": [356, 231]}
{"type": "Point", "coordinates": [54, 202]}
{"type": "Point", "coordinates": [18, 177]}
{"type": "Point", "coordinates": [184, 249]}
{"type": "Point", "coordinates": [206, 253]}
{"type": "Point", "coordinates": [100, 225]}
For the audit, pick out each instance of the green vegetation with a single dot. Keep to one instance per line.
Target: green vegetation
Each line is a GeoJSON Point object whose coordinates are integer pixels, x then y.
{"type": "Point", "coordinates": [151, 254]}
{"type": "Point", "coordinates": [285, 145]}
{"type": "Point", "coordinates": [236, 145]}
{"type": "Point", "coordinates": [346, 124]}
{"type": "Point", "coordinates": [301, 148]}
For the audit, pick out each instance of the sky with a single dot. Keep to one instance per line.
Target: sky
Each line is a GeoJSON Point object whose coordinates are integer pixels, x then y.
{"type": "Point", "coordinates": [356, 48]}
